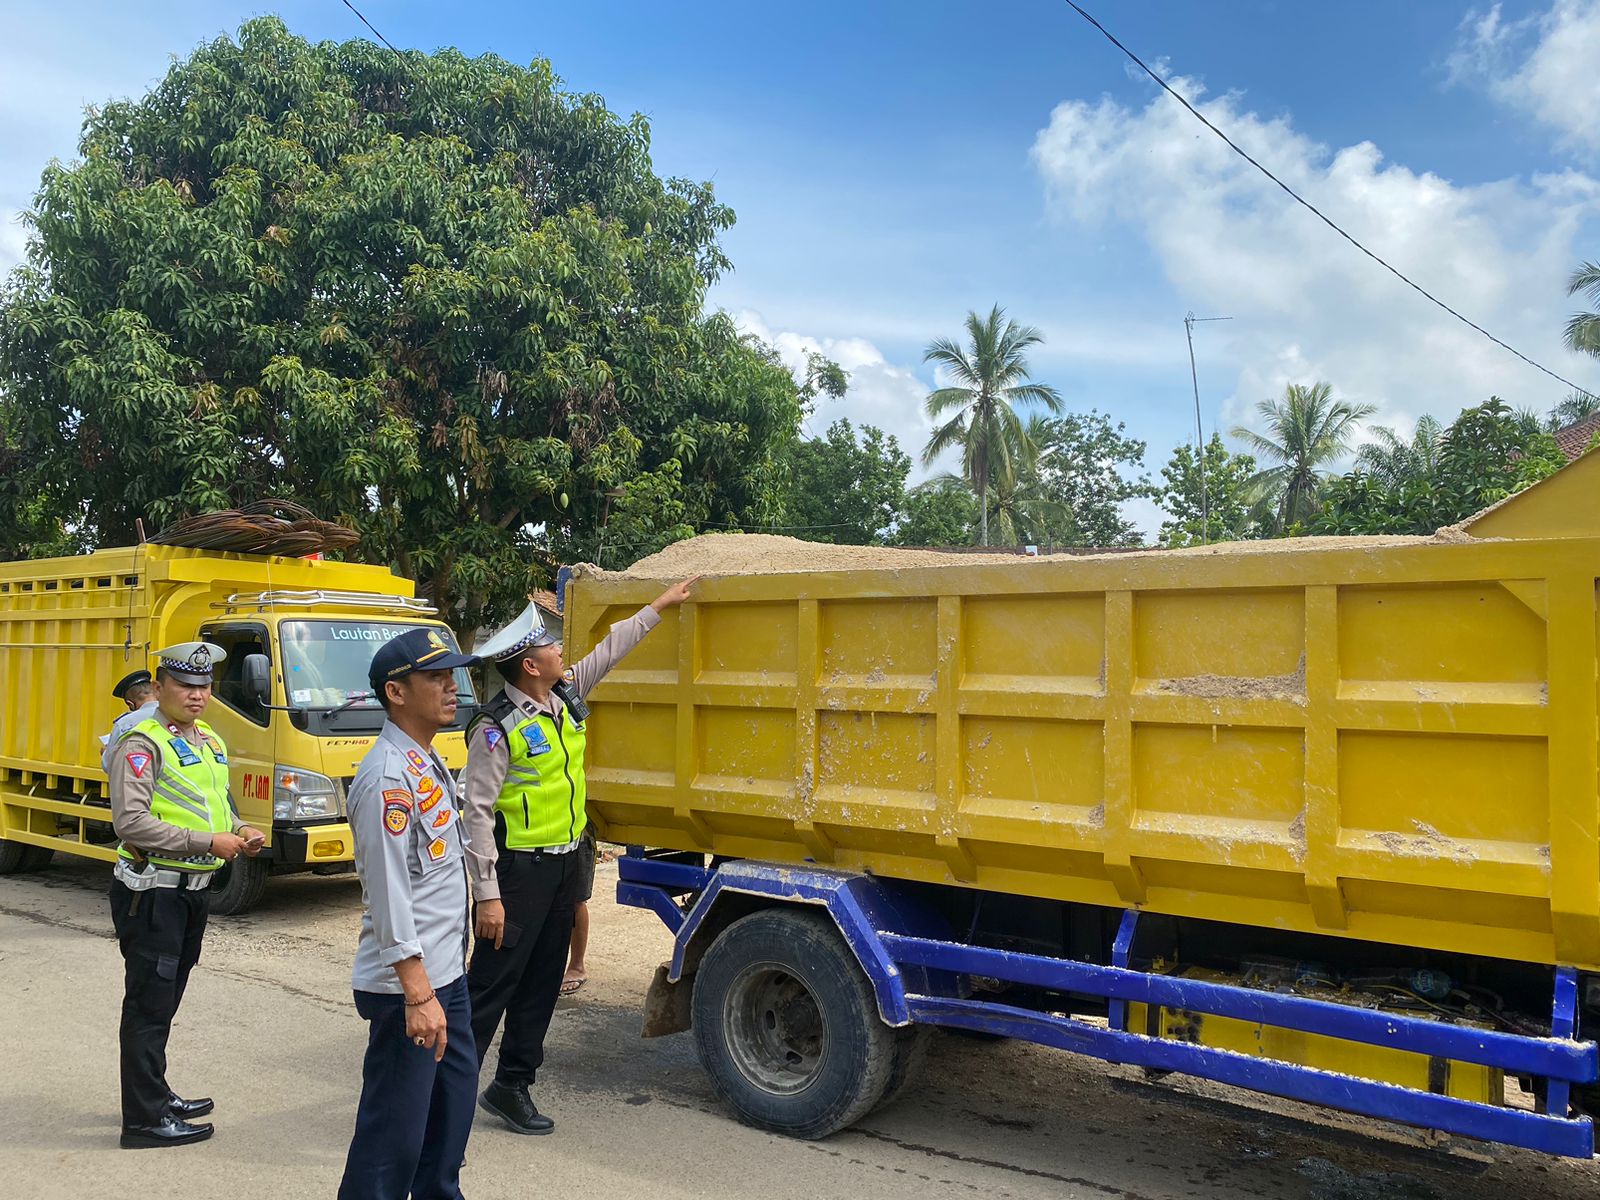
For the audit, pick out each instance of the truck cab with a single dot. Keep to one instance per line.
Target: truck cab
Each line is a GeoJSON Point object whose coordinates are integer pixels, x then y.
{"type": "Point", "coordinates": [293, 704]}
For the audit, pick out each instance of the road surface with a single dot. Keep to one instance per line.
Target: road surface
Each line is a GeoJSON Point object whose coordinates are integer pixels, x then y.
{"type": "Point", "coordinates": [269, 1030]}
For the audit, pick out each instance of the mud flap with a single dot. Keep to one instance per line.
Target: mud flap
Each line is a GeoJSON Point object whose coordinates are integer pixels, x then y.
{"type": "Point", "coordinates": [666, 1004]}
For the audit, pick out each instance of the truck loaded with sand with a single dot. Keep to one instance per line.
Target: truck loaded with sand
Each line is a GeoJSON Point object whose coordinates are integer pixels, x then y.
{"type": "Point", "coordinates": [1314, 817]}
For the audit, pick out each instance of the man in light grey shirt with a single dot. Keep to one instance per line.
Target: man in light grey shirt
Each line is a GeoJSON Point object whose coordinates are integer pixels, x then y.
{"type": "Point", "coordinates": [138, 691]}
{"type": "Point", "coordinates": [419, 1077]}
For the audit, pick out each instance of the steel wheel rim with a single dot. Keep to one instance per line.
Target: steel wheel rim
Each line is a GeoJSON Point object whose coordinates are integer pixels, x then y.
{"type": "Point", "coordinates": [778, 1032]}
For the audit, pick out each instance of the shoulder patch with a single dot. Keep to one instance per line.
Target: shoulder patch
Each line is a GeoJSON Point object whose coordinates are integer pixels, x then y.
{"type": "Point", "coordinates": [396, 818]}
{"type": "Point", "coordinates": [493, 736]}
{"type": "Point", "coordinates": [138, 763]}
{"type": "Point", "coordinates": [397, 796]}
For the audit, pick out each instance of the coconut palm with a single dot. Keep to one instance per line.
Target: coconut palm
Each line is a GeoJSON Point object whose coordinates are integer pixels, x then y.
{"type": "Point", "coordinates": [1572, 409]}
{"type": "Point", "coordinates": [988, 377]}
{"type": "Point", "coordinates": [1392, 460]}
{"type": "Point", "coordinates": [1305, 430]}
{"type": "Point", "coordinates": [1583, 329]}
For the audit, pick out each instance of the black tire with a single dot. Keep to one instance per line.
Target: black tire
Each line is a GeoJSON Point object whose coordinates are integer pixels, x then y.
{"type": "Point", "coordinates": [787, 1027]}
{"type": "Point", "coordinates": [237, 886]}
{"type": "Point", "coordinates": [16, 857]}
{"type": "Point", "coordinates": [910, 1053]}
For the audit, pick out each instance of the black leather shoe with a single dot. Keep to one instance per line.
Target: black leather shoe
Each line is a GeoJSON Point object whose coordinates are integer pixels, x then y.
{"type": "Point", "coordinates": [188, 1110]}
{"type": "Point", "coordinates": [169, 1131]}
{"type": "Point", "coordinates": [512, 1104]}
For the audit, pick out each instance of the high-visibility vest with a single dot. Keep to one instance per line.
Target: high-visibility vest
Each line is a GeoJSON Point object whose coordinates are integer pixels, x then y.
{"type": "Point", "coordinates": [191, 790]}
{"type": "Point", "coordinates": [542, 798]}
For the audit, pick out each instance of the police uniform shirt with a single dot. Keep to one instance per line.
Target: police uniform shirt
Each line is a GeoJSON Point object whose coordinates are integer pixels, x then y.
{"type": "Point", "coordinates": [134, 768]}
{"type": "Point", "coordinates": [120, 728]}
{"type": "Point", "coordinates": [410, 854]}
{"type": "Point", "coordinates": [488, 759]}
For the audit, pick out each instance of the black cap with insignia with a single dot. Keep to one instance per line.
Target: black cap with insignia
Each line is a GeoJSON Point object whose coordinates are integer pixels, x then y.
{"type": "Point", "coordinates": [131, 679]}
{"type": "Point", "coordinates": [414, 650]}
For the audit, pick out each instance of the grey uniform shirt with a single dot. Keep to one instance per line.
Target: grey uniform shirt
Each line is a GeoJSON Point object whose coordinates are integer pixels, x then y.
{"type": "Point", "coordinates": [133, 772]}
{"type": "Point", "coordinates": [410, 854]}
{"type": "Point", "coordinates": [119, 730]}
{"type": "Point", "coordinates": [487, 764]}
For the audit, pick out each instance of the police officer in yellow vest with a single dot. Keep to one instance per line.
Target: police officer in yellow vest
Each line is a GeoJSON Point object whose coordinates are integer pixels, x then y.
{"type": "Point", "coordinates": [171, 806]}
{"type": "Point", "coordinates": [525, 792]}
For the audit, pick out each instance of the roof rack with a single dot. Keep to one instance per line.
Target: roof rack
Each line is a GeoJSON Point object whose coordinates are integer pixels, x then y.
{"type": "Point", "coordinates": [286, 599]}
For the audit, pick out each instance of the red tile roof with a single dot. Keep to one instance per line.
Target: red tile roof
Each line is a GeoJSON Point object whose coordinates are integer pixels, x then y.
{"type": "Point", "coordinates": [1575, 438]}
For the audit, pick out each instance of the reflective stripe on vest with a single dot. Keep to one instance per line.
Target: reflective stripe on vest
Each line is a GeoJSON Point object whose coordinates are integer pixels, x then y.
{"type": "Point", "coordinates": [542, 798]}
{"type": "Point", "coordinates": [189, 795]}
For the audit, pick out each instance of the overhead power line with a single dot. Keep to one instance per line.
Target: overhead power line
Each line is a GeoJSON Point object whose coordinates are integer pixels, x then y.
{"type": "Point", "coordinates": [1312, 208]}
{"type": "Point", "coordinates": [373, 27]}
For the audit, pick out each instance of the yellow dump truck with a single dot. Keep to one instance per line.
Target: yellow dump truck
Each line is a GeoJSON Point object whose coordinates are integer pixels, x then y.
{"type": "Point", "coordinates": [1317, 817]}
{"type": "Point", "coordinates": [291, 701]}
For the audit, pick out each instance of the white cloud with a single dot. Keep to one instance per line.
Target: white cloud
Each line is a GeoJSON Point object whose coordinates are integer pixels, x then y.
{"type": "Point", "coordinates": [1306, 304]}
{"type": "Point", "coordinates": [1543, 65]}
{"type": "Point", "coordinates": [13, 240]}
{"type": "Point", "coordinates": [881, 393]}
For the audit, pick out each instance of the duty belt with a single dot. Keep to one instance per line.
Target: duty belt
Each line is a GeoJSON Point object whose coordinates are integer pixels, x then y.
{"type": "Point", "coordinates": [160, 877]}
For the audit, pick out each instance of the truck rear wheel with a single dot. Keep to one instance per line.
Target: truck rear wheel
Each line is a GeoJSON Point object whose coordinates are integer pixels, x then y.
{"type": "Point", "coordinates": [237, 886]}
{"type": "Point", "coordinates": [787, 1026]}
{"type": "Point", "coordinates": [16, 857]}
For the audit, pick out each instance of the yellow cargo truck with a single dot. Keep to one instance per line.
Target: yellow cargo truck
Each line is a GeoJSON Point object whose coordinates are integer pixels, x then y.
{"type": "Point", "coordinates": [1318, 818]}
{"type": "Point", "coordinates": [291, 701]}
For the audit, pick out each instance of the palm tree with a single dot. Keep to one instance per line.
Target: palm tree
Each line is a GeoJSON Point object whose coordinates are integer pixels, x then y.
{"type": "Point", "coordinates": [1583, 329]}
{"type": "Point", "coordinates": [986, 381]}
{"type": "Point", "coordinates": [1574, 408]}
{"type": "Point", "coordinates": [1392, 460]}
{"type": "Point", "coordinates": [1305, 429]}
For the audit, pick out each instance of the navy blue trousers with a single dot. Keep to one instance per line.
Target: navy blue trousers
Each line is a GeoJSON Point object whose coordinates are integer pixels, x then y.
{"type": "Point", "coordinates": [415, 1114]}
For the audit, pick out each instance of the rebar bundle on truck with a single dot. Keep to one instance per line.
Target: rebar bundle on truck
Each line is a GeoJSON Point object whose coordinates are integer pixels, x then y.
{"type": "Point", "coordinates": [1376, 753]}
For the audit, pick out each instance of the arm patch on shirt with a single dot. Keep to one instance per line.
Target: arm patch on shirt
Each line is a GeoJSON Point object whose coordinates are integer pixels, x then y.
{"type": "Point", "coordinates": [138, 763]}
{"type": "Point", "coordinates": [397, 796]}
{"type": "Point", "coordinates": [493, 736]}
{"type": "Point", "coordinates": [396, 817]}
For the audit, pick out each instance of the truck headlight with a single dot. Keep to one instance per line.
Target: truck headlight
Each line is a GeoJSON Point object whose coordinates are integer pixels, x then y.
{"type": "Point", "coordinates": [302, 795]}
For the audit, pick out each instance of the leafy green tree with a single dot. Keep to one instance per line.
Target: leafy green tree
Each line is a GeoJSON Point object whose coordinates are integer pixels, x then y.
{"type": "Point", "coordinates": [989, 378]}
{"type": "Point", "coordinates": [847, 488]}
{"type": "Point", "coordinates": [1306, 430]}
{"type": "Point", "coordinates": [1392, 460]}
{"type": "Point", "coordinates": [1222, 511]}
{"type": "Point", "coordinates": [940, 512]}
{"type": "Point", "coordinates": [435, 295]}
{"type": "Point", "coordinates": [1489, 452]}
{"type": "Point", "coordinates": [1086, 468]}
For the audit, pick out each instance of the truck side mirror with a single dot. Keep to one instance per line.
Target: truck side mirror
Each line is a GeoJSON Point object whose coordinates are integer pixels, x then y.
{"type": "Point", "coordinates": [257, 680]}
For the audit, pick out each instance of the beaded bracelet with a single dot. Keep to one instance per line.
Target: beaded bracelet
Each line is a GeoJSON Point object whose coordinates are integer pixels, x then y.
{"type": "Point", "coordinates": [419, 1003]}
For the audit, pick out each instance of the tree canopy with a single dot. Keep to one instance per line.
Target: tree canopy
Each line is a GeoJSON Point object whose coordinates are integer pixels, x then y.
{"type": "Point", "coordinates": [437, 295]}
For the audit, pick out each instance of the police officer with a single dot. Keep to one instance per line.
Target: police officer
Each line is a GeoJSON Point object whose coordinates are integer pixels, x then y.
{"type": "Point", "coordinates": [137, 690]}
{"type": "Point", "coordinates": [171, 806]}
{"type": "Point", "coordinates": [525, 791]}
{"type": "Point", "coordinates": [420, 1070]}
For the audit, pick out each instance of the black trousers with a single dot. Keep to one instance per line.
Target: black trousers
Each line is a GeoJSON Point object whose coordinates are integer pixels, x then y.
{"type": "Point", "coordinates": [159, 931]}
{"type": "Point", "coordinates": [415, 1114]}
{"type": "Point", "coordinates": [521, 980]}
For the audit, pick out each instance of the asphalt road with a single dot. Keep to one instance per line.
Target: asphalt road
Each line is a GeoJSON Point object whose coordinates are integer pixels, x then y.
{"type": "Point", "coordinates": [269, 1030]}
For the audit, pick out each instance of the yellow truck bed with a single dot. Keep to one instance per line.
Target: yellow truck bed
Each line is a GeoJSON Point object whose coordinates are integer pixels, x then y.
{"type": "Point", "coordinates": [1392, 740]}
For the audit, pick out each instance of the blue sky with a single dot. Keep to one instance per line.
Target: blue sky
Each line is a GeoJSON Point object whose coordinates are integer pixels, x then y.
{"type": "Point", "coordinates": [894, 165]}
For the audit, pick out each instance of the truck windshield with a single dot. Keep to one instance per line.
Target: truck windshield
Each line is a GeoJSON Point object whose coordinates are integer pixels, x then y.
{"type": "Point", "coordinates": [325, 665]}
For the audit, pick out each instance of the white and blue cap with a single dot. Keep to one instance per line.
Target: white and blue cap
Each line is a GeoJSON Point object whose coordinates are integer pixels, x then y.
{"type": "Point", "coordinates": [191, 662]}
{"type": "Point", "coordinates": [526, 632]}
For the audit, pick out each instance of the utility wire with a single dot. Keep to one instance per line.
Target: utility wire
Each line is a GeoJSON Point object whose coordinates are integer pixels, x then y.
{"type": "Point", "coordinates": [1311, 208]}
{"type": "Point", "coordinates": [374, 29]}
